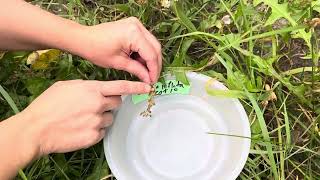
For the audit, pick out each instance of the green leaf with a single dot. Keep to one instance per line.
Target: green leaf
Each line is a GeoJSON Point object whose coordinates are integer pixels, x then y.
{"type": "Point", "coordinates": [265, 67]}
{"type": "Point", "coordinates": [37, 85]}
{"type": "Point", "coordinates": [282, 11]}
{"type": "Point", "coordinates": [122, 7]}
{"type": "Point", "coordinates": [215, 75]}
{"type": "Point", "coordinates": [316, 6]}
{"type": "Point", "coordinates": [181, 76]}
{"type": "Point", "coordinates": [208, 23]}
{"type": "Point", "coordinates": [303, 35]}
{"type": "Point", "coordinates": [9, 100]}
{"type": "Point", "coordinates": [277, 11]}
{"type": "Point", "coordinates": [265, 133]}
{"type": "Point", "coordinates": [181, 54]}
{"type": "Point", "coordinates": [232, 40]}
{"type": "Point", "coordinates": [260, 117]}
{"type": "Point", "coordinates": [7, 66]}
{"type": "Point", "coordinates": [61, 165]}
{"type": "Point", "coordinates": [226, 93]}
{"type": "Point", "coordinates": [100, 169]}
{"type": "Point", "coordinates": [255, 127]}
{"type": "Point", "coordinates": [163, 27]}
{"type": "Point", "coordinates": [178, 9]}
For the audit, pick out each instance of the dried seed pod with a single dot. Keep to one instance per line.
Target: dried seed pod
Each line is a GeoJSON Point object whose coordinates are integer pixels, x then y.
{"type": "Point", "coordinates": [151, 103]}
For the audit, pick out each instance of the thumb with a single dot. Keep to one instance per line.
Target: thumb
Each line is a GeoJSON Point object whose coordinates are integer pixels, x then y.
{"type": "Point", "coordinates": [114, 88]}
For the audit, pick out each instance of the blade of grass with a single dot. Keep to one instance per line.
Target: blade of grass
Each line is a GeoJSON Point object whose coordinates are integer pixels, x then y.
{"type": "Point", "coordinates": [9, 100]}
{"type": "Point", "coordinates": [265, 134]}
{"type": "Point", "coordinates": [59, 168]}
{"type": "Point", "coordinates": [300, 70]}
{"type": "Point", "coordinates": [281, 155]}
{"type": "Point", "coordinates": [228, 135]}
{"type": "Point", "coordinates": [178, 9]}
{"type": "Point", "coordinates": [287, 124]}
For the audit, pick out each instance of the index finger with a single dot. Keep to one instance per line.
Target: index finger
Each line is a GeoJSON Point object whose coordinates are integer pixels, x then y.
{"type": "Point", "coordinates": [121, 87]}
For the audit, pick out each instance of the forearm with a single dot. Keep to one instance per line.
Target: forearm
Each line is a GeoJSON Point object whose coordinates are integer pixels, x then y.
{"type": "Point", "coordinates": [27, 27]}
{"type": "Point", "coordinates": [18, 145]}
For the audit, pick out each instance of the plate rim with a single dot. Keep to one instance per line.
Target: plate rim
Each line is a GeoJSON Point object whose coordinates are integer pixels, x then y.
{"type": "Point", "coordinates": [247, 132]}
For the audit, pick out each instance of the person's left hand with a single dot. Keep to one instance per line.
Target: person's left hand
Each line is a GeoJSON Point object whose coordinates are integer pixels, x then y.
{"type": "Point", "coordinates": [111, 44]}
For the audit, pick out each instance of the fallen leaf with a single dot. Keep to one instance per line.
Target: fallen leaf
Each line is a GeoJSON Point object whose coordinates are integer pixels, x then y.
{"type": "Point", "coordinates": [226, 19]}
{"type": "Point", "coordinates": [2, 53]}
{"type": "Point", "coordinates": [315, 22]}
{"type": "Point", "coordinates": [317, 129]}
{"type": "Point", "coordinates": [42, 59]}
{"type": "Point", "coordinates": [32, 57]}
{"type": "Point", "coordinates": [165, 3]}
{"type": "Point", "coordinates": [271, 97]}
{"type": "Point", "coordinates": [141, 1]}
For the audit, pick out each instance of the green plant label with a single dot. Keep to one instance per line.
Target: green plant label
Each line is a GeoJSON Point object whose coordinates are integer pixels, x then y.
{"type": "Point", "coordinates": [170, 87]}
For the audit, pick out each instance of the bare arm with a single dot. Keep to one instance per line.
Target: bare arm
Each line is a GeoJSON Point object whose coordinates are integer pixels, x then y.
{"type": "Point", "coordinates": [27, 27]}
{"type": "Point", "coordinates": [17, 144]}
{"type": "Point", "coordinates": [33, 132]}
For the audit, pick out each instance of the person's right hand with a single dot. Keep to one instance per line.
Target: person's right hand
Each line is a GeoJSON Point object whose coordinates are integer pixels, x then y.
{"type": "Point", "coordinates": [71, 115]}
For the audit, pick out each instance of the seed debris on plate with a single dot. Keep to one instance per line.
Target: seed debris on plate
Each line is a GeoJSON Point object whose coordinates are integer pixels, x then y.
{"type": "Point", "coordinates": [151, 103]}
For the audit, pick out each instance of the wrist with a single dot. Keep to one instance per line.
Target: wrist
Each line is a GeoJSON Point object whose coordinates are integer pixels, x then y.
{"type": "Point", "coordinates": [85, 41]}
{"type": "Point", "coordinates": [26, 138]}
{"type": "Point", "coordinates": [63, 34]}
{"type": "Point", "coordinates": [18, 145]}
{"type": "Point", "coordinates": [73, 39]}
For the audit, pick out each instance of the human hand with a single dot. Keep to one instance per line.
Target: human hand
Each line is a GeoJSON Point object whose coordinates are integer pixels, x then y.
{"type": "Point", "coordinates": [71, 115]}
{"type": "Point", "coordinates": [111, 44]}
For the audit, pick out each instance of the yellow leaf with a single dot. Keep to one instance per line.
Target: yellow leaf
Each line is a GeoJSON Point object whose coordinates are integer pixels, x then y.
{"type": "Point", "coordinates": [317, 129]}
{"type": "Point", "coordinates": [165, 3]}
{"type": "Point", "coordinates": [32, 57]}
{"type": "Point", "coordinates": [2, 54]}
{"type": "Point", "coordinates": [42, 59]}
{"type": "Point", "coordinates": [141, 1]}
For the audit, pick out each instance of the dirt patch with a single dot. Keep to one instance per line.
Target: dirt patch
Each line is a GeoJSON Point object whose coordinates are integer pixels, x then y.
{"type": "Point", "coordinates": [293, 55]}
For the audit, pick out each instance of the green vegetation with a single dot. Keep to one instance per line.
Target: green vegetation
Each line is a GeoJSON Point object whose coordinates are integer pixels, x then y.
{"type": "Point", "coordinates": [265, 51]}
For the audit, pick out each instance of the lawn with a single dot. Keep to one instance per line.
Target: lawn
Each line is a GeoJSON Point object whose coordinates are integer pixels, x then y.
{"type": "Point", "coordinates": [265, 51]}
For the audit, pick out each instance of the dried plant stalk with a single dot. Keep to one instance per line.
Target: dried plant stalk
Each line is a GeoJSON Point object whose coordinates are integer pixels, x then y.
{"type": "Point", "coordinates": [151, 103]}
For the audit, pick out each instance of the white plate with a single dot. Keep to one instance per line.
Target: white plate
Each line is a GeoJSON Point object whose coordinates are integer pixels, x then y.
{"type": "Point", "coordinates": [174, 144]}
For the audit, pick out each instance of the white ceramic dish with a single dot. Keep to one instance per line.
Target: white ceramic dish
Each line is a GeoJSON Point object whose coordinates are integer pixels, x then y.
{"type": "Point", "coordinates": [174, 144]}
